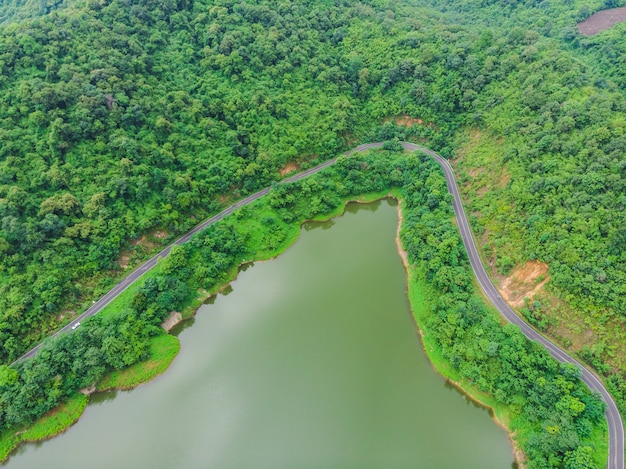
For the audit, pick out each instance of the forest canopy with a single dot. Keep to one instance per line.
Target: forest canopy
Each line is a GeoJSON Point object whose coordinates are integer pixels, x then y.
{"type": "Point", "coordinates": [123, 124]}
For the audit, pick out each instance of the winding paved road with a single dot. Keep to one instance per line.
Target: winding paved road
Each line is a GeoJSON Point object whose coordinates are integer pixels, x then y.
{"type": "Point", "coordinates": [616, 428]}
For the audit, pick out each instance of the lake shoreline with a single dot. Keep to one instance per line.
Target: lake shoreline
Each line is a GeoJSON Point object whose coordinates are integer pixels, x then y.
{"type": "Point", "coordinates": [519, 455]}
{"type": "Point", "coordinates": [194, 308]}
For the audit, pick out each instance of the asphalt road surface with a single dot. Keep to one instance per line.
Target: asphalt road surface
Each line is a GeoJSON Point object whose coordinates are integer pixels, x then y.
{"type": "Point", "coordinates": [616, 428]}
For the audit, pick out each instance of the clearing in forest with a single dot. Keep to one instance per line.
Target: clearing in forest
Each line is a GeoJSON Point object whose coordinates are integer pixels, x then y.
{"type": "Point", "coordinates": [602, 20]}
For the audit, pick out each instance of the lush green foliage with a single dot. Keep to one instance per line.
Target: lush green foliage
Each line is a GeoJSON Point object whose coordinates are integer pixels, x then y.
{"type": "Point", "coordinates": [554, 412]}
{"type": "Point", "coordinates": [70, 362]}
{"type": "Point", "coordinates": [120, 119]}
{"type": "Point", "coordinates": [162, 351]}
{"type": "Point", "coordinates": [47, 426]}
{"type": "Point", "coordinates": [15, 10]}
{"type": "Point", "coordinates": [554, 188]}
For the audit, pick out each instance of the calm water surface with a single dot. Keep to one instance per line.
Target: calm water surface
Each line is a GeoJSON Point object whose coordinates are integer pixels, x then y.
{"type": "Point", "coordinates": [311, 361]}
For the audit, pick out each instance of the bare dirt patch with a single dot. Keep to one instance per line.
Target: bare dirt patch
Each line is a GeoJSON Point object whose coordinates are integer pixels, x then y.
{"type": "Point", "coordinates": [473, 172]}
{"type": "Point", "coordinates": [124, 260]}
{"type": "Point", "coordinates": [288, 168]}
{"type": "Point", "coordinates": [505, 177]}
{"type": "Point", "coordinates": [601, 21]}
{"type": "Point", "coordinates": [408, 121]}
{"type": "Point", "coordinates": [146, 244]}
{"type": "Point", "coordinates": [88, 391]}
{"type": "Point", "coordinates": [161, 234]}
{"type": "Point", "coordinates": [403, 254]}
{"type": "Point", "coordinates": [174, 318]}
{"type": "Point", "coordinates": [524, 282]}
{"type": "Point", "coordinates": [224, 199]}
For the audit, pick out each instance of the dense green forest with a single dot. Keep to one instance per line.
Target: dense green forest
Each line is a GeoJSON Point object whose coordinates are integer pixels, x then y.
{"type": "Point", "coordinates": [553, 414]}
{"type": "Point", "coordinates": [17, 10]}
{"type": "Point", "coordinates": [124, 123]}
{"type": "Point", "coordinates": [544, 176]}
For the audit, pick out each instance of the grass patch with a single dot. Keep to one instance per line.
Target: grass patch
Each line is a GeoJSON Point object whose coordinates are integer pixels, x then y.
{"type": "Point", "coordinates": [163, 350]}
{"type": "Point", "coordinates": [600, 443]}
{"type": "Point", "coordinates": [123, 301]}
{"type": "Point", "coordinates": [51, 424]}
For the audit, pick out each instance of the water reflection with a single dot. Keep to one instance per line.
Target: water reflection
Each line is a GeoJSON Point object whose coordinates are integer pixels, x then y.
{"type": "Point", "coordinates": [313, 225]}
{"type": "Point", "coordinates": [186, 324]}
{"type": "Point", "coordinates": [470, 402]}
{"type": "Point", "coordinates": [102, 397]}
{"type": "Point", "coordinates": [227, 290]}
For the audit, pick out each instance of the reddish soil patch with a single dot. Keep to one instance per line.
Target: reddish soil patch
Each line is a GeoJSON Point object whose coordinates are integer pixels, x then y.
{"type": "Point", "coordinates": [407, 121]}
{"type": "Point", "coordinates": [288, 168]}
{"type": "Point", "coordinates": [524, 282]}
{"type": "Point", "coordinates": [602, 20]}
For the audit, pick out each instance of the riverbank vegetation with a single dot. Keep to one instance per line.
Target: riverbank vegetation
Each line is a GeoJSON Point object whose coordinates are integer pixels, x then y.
{"type": "Point", "coordinates": [552, 414]}
{"type": "Point", "coordinates": [162, 350]}
{"type": "Point", "coordinates": [50, 424]}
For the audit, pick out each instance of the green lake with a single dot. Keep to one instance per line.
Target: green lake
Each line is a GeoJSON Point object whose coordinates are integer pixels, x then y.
{"type": "Point", "coordinates": [311, 360]}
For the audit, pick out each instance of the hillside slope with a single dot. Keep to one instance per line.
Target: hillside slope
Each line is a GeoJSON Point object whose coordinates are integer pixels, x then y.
{"type": "Point", "coordinates": [122, 126]}
{"type": "Point", "coordinates": [16, 10]}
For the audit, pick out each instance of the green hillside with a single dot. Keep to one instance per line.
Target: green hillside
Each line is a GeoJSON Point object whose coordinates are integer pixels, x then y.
{"type": "Point", "coordinates": [124, 123]}
{"type": "Point", "coordinates": [16, 10]}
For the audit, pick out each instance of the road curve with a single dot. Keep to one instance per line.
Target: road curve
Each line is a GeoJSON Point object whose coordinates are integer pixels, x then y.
{"type": "Point", "coordinates": [616, 428]}
{"type": "Point", "coordinates": [614, 419]}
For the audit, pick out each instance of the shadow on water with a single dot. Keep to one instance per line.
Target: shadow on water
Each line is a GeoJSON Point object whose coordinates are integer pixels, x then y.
{"type": "Point", "coordinates": [314, 225]}
{"type": "Point", "coordinates": [468, 400]}
{"type": "Point", "coordinates": [352, 208]}
{"type": "Point", "coordinates": [181, 326]}
{"type": "Point", "coordinates": [477, 405]}
{"type": "Point", "coordinates": [227, 290]}
{"type": "Point", "coordinates": [98, 398]}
